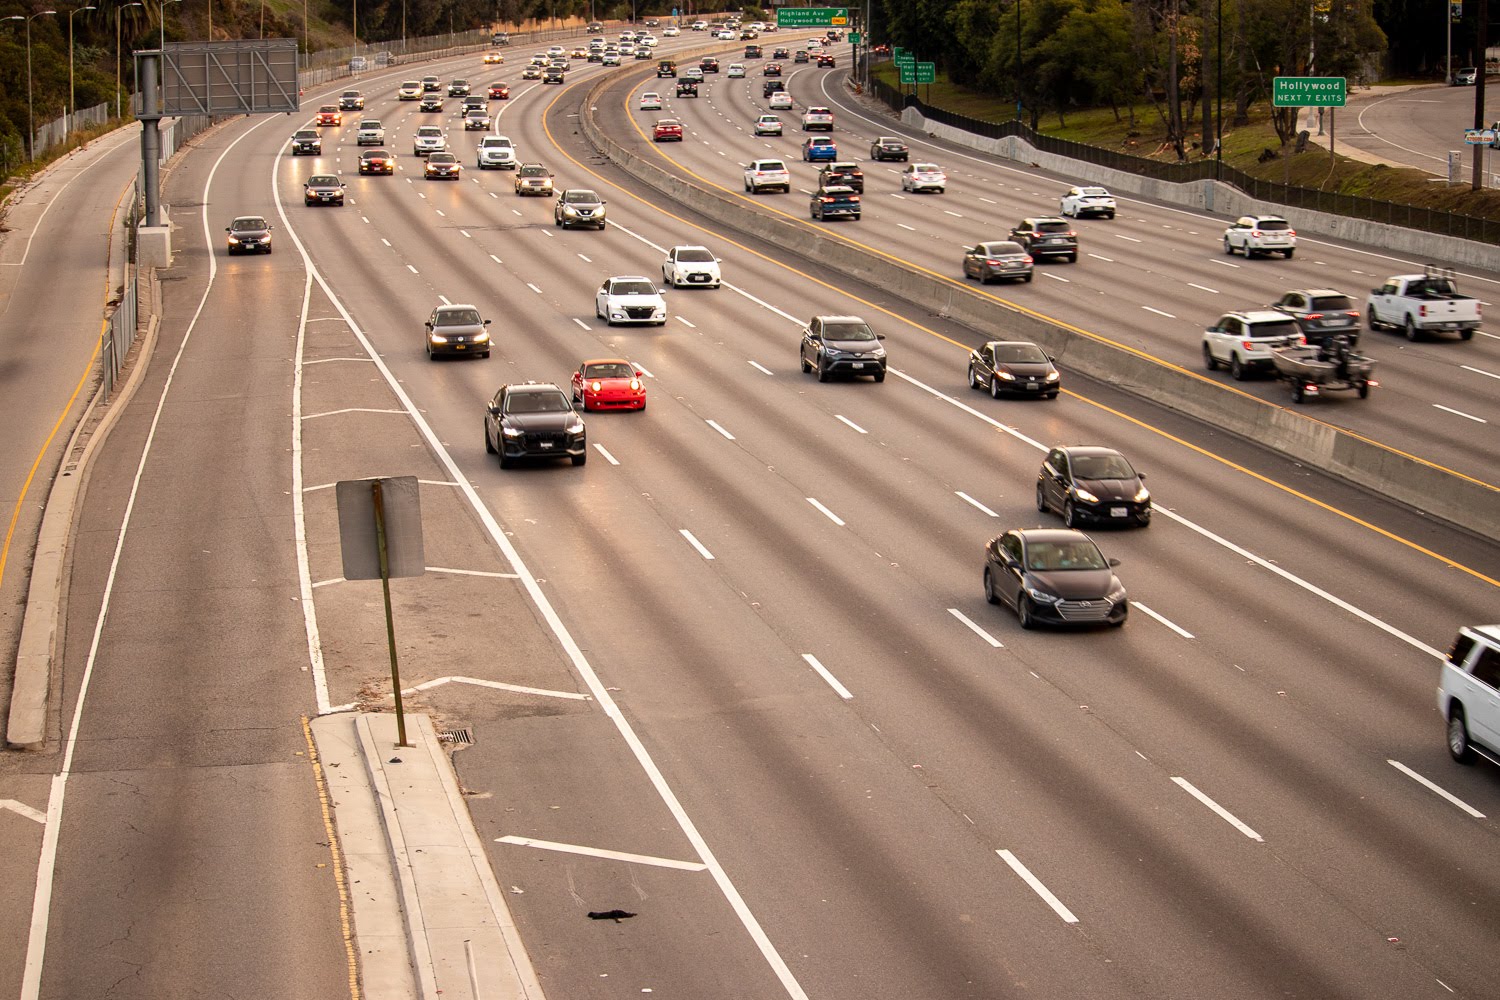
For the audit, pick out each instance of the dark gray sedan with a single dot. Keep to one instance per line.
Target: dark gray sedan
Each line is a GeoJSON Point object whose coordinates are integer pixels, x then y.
{"type": "Point", "coordinates": [249, 234]}
{"type": "Point", "coordinates": [1014, 367]}
{"type": "Point", "coordinates": [457, 329]}
{"type": "Point", "coordinates": [1053, 575]}
{"type": "Point", "coordinates": [323, 189]}
{"type": "Point", "coordinates": [1003, 260]}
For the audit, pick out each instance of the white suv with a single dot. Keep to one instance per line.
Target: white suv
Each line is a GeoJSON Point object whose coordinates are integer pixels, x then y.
{"type": "Point", "coordinates": [1469, 694]}
{"type": "Point", "coordinates": [630, 299]}
{"type": "Point", "coordinates": [1242, 341]}
{"type": "Point", "coordinates": [371, 133]}
{"type": "Point", "coordinates": [429, 139]}
{"type": "Point", "coordinates": [1258, 234]}
{"type": "Point", "coordinates": [692, 266]}
{"type": "Point", "coordinates": [817, 118]}
{"type": "Point", "coordinates": [767, 175]}
{"type": "Point", "coordinates": [497, 151]}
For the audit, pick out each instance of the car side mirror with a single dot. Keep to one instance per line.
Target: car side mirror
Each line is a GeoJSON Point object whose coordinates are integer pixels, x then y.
{"type": "Point", "coordinates": [428, 324]}
{"type": "Point", "coordinates": [494, 410]}
{"type": "Point", "coordinates": [1141, 475]}
{"type": "Point", "coordinates": [228, 229]}
{"type": "Point", "coordinates": [1113, 562]}
{"type": "Point", "coordinates": [486, 322]}
{"type": "Point", "coordinates": [880, 336]}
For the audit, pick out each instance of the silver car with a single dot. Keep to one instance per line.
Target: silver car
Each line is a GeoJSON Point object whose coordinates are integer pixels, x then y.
{"type": "Point", "coordinates": [429, 139]}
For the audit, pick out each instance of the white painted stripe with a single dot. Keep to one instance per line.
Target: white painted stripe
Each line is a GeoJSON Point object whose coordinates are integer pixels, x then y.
{"type": "Point", "coordinates": [607, 456]}
{"type": "Point", "coordinates": [695, 543]}
{"type": "Point", "coordinates": [968, 499]}
{"type": "Point", "coordinates": [1478, 371]}
{"type": "Point", "coordinates": [1169, 624]}
{"type": "Point", "coordinates": [828, 513]}
{"type": "Point", "coordinates": [976, 629]}
{"type": "Point", "coordinates": [497, 260]}
{"type": "Point", "coordinates": [1066, 281]}
{"type": "Point", "coordinates": [412, 269]}
{"type": "Point", "coordinates": [1107, 260]}
{"type": "Point", "coordinates": [533, 288]}
{"type": "Point", "coordinates": [851, 423]}
{"type": "Point", "coordinates": [1037, 886]}
{"type": "Point", "coordinates": [584, 259]}
{"type": "Point", "coordinates": [823, 672]}
{"type": "Point", "coordinates": [329, 583]}
{"type": "Point", "coordinates": [1225, 263]}
{"type": "Point", "coordinates": [685, 322]}
{"type": "Point", "coordinates": [1433, 787]}
{"type": "Point", "coordinates": [466, 234]}
{"type": "Point", "coordinates": [1158, 312]}
{"type": "Point", "coordinates": [1132, 239]}
{"type": "Point", "coordinates": [988, 201]}
{"type": "Point", "coordinates": [352, 409]}
{"type": "Point", "coordinates": [445, 300]}
{"type": "Point", "coordinates": [1222, 813]}
{"type": "Point", "coordinates": [715, 425]}
{"type": "Point", "coordinates": [952, 213]}
{"type": "Point", "coordinates": [642, 369]}
{"type": "Point", "coordinates": [385, 241]}
{"type": "Point", "coordinates": [595, 852]}
{"type": "Point", "coordinates": [894, 195]}
{"type": "Point", "coordinates": [910, 229]}
{"type": "Point", "coordinates": [362, 218]}
{"type": "Point", "coordinates": [582, 323]}
{"type": "Point", "coordinates": [324, 361]}
{"type": "Point", "coordinates": [473, 572]}
{"type": "Point", "coordinates": [1203, 288]}
{"type": "Point", "coordinates": [22, 809]}
{"type": "Point", "coordinates": [1460, 413]}
{"type": "Point", "coordinates": [762, 367]}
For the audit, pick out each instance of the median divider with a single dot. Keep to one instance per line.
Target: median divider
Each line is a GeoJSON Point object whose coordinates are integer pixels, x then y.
{"type": "Point", "coordinates": [1461, 500]}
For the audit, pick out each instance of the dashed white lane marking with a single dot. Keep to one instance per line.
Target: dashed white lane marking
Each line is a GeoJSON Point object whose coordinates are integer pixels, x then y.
{"type": "Point", "coordinates": [851, 423]}
{"type": "Point", "coordinates": [1132, 239]}
{"type": "Point", "coordinates": [716, 426]}
{"type": "Point", "coordinates": [607, 456]}
{"type": "Point", "coordinates": [584, 259]}
{"type": "Point", "coordinates": [1460, 413]}
{"type": "Point", "coordinates": [595, 852]}
{"type": "Point", "coordinates": [1165, 621]}
{"type": "Point", "coordinates": [1158, 312]}
{"type": "Point", "coordinates": [974, 626]}
{"type": "Point", "coordinates": [1413, 775]}
{"type": "Point", "coordinates": [385, 241]}
{"type": "Point", "coordinates": [695, 543]}
{"type": "Point", "coordinates": [582, 323]}
{"type": "Point", "coordinates": [1066, 281]}
{"type": "Point", "coordinates": [906, 227]}
{"type": "Point", "coordinates": [970, 500]}
{"type": "Point", "coordinates": [1203, 288]}
{"type": "Point", "coordinates": [826, 512]}
{"type": "Point", "coordinates": [762, 367]}
{"type": "Point", "coordinates": [444, 299]}
{"type": "Point", "coordinates": [833, 682]}
{"type": "Point", "coordinates": [685, 322]}
{"type": "Point", "coordinates": [466, 234]}
{"type": "Point", "coordinates": [988, 202]}
{"type": "Point", "coordinates": [1107, 260]}
{"type": "Point", "coordinates": [497, 260]}
{"type": "Point", "coordinates": [1037, 886]}
{"type": "Point", "coordinates": [1225, 263]}
{"type": "Point", "coordinates": [533, 288]}
{"type": "Point", "coordinates": [412, 269]}
{"type": "Point", "coordinates": [1478, 371]}
{"type": "Point", "coordinates": [1219, 810]}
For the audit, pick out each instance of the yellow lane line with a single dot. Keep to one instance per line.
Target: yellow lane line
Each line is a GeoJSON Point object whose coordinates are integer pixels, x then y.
{"type": "Point", "coordinates": [340, 879]}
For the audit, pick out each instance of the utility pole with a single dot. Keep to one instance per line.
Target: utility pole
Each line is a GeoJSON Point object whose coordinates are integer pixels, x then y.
{"type": "Point", "coordinates": [1483, 35]}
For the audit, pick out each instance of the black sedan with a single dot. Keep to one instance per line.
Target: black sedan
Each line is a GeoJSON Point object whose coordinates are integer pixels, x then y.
{"type": "Point", "coordinates": [249, 234]}
{"type": "Point", "coordinates": [1017, 367]}
{"type": "Point", "coordinates": [1001, 260]}
{"type": "Point", "coordinates": [1053, 575]}
{"type": "Point", "coordinates": [1092, 484]}
{"type": "Point", "coordinates": [534, 420]}
{"type": "Point", "coordinates": [323, 189]}
{"type": "Point", "coordinates": [457, 329]}
{"type": "Point", "coordinates": [431, 103]}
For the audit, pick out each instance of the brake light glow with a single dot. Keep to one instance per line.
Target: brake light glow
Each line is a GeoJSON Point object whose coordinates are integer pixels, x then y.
{"type": "Point", "coordinates": [1314, 315]}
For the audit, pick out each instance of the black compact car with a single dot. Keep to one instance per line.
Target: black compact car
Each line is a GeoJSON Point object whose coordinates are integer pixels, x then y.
{"type": "Point", "coordinates": [534, 420]}
{"type": "Point", "coordinates": [249, 234]}
{"type": "Point", "coordinates": [771, 69]}
{"type": "Point", "coordinates": [842, 345]}
{"type": "Point", "coordinates": [800, 56]}
{"type": "Point", "coordinates": [1053, 575]}
{"type": "Point", "coordinates": [687, 88]}
{"type": "Point", "coordinates": [458, 88]}
{"type": "Point", "coordinates": [1016, 367]}
{"type": "Point", "coordinates": [845, 173]}
{"type": "Point", "coordinates": [1047, 237]}
{"type": "Point", "coordinates": [772, 87]}
{"type": "Point", "coordinates": [1092, 484]}
{"type": "Point", "coordinates": [552, 75]}
{"type": "Point", "coordinates": [457, 329]}
{"type": "Point", "coordinates": [888, 147]}
{"type": "Point", "coordinates": [997, 260]}
{"type": "Point", "coordinates": [323, 189]}
{"type": "Point", "coordinates": [431, 84]}
{"type": "Point", "coordinates": [708, 64]}
{"type": "Point", "coordinates": [431, 103]}
{"type": "Point", "coordinates": [1322, 313]}
{"type": "Point", "coordinates": [307, 142]}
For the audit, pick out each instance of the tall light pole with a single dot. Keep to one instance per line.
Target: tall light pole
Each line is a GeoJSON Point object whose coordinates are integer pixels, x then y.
{"type": "Point", "coordinates": [72, 99]}
{"type": "Point", "coordinates": [30, 111]}
{"type": "Point", "coordinates": [119, 111]}
{"type": "Point", "coordinates": [163, 6]}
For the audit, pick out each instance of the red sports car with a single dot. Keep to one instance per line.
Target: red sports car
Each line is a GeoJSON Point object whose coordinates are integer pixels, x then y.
{"type": "Point", "coordinates": [329, 114]}
{"type": "Point", "coordinates": [609, 384]}
{"type": "Point", "coordinates": [499, 92]}
{"type": "Point", "coordinates": [667, 130]}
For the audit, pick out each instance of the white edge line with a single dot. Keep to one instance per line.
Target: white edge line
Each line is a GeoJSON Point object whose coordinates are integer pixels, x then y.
{"type": "Point", "coordinates": [596, 852]}
{"type": "Point", "coordinates": [1218, 810]}
{"type": "Point", "coordinates": [976, 629]}
{"type": "Point", "coordinates": [1037, 886]}
{"type": "Point", "coordinates": [1413, 775]}
{"type": "Point", "coordinates": [1165, 621]}
{"type": "Point", "coordinates": [833, 682]}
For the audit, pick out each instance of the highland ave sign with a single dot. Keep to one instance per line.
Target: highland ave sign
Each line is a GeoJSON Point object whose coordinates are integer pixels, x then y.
{"type": "Point", "coordinates": [1308, 91]}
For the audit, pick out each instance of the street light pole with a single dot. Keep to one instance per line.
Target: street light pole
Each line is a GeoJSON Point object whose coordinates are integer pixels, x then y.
{"type": "Point", "coordinates": [72, 99]}
{"type": "Point", "coordinates": [164, 25]}
{"type": "Point", "coordinates": [30, 111]}
{"type": "Point", "coordinates": [119, 111]}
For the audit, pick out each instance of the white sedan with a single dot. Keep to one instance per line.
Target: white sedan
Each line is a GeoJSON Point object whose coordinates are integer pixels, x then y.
{"type": "Point", "coordinates": [736, 71]}
{"type": "Point", "coordinates": [923, 177]}
{"type": "Point", "coordinates": [1081, 201]}
{"type": "Point", "coordinates": [691, 266]}
{"type": "Point", "coordinates": [781, 101]}
{"type": "Point", "coordinates": [671, 31]}
{"type": "Point", "coordinates": [630, 299]}
{"type": "Point", "coordinates": [650, 101]}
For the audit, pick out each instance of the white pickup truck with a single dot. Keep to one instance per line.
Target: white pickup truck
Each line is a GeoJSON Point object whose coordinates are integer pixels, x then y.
{"type": "Point", "coordinates": [1423, 303]}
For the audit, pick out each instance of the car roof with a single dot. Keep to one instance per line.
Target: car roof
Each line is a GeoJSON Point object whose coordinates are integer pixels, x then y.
{"type": "Point", "coordinates": [1315, 291]}
{"type": "Point", "coordinates": [1260, 315]}
{"type": "Point", "coordinates": [455, 307]}
{"type": "Point", "coordinates": [1087, 450]}
{"type": "Point", "coordinates": [840, 319]}
{"type": "Point", "coordinates": [842, 165]}
{"type": "Point", "coordinates": [607, 361]}
{"type": "Point", "coordinates": [1045, 218]}
{"type": "Point", "coordinates": [374, 153]}
{"type": "Point", "coordinates": [628, 277]}
{"type": "Point", "coordinates": [530, 387]}
{"type": "Point", "coordinates": [1057, 535]}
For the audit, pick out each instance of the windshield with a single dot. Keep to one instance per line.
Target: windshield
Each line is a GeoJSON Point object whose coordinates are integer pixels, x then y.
{"type": "Point", "coordinates": [306, 133]}
{"type": "Point", "coordinates": [848, 331]}
{"type": "Point", "coordinates": [329, 109]}
{"type": "Point", "coordinates": [1001, 249]}
{"type": "Point", "coordinates": [442, 158]}
{"type": "Point", "coordinates": [533, 171]}
{"type": "Point", "coordinates": [1044, 556]}
{"type": "Point", "coordinates": [377, 154]}
{"type": "Point", "coordinates": [926, 168]}
{"type": "Point", "coordinates": [366, 125]}
{"type": "Point", "coordinates": [613, 369]}
{"type": "Point", "coordinates": [1010, 354]}
{"type": "Point", "coordinates": [695, 255]}
{"type": "Point", "coordinates": [1101, 467]}
{"type": "Point", "coordinates": [247, 225]}
{"type": "Point", "coordinates": [581, 198]}
{"type": "Point", "coordinates": [457, 317]}
{"type": "Point", "coordinates": [537, 402]}
{"type": "Point", "coordinates": [1332, 302]}
{"type": "Point", "coordinates": [429, 131]}
{"type": "Point", "coordinates": [632, 288]}
{"type": "Point", "coordinates": [323, 180]}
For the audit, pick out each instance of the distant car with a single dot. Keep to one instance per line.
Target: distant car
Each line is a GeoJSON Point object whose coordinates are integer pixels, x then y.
{"type": "Point", "coordinates": [429, 139]}
{"type": "Point", "coordinates": [1255, 235]}
{"type": "Point", "coordinates": [1321, 313]}
{"type": "Point", "coordinates": [329, 114]}
{"type": "Point", "coordinates": [431, 104]}
{"type": "Point", "coordinates": [1082, 201]}
{"type": "Point", "coordinates": [377, 161]}
{"type": "Point", "coordinates": [770, 88]}
{"type": "Point", "coordinates": [841, 345]}
{"type": "Point", "coordinates": [1242, 341]}
{"type": "Point", "coordinates": [754, 52]}
{"type": "Point", "coordinates": [351, 100]}
{"type": "Point", "coordinates": [457, 329]}
{"type": "Point", "coordinates": [997, 260]}
{"type": "Point", "coordinates": [666, 68]}
{"type": "Point", "coordinates": [499, 92]}
{"type": "Point", "coordinates": [248, 234]}
{"type": "Point", "coordinates": [1044, 237]}
{"type": "Point", "coordinates": [630, 299]}
{"type": "Point", "coordinates": [411, 90]}
{"type": "Point", "coordinates": [458, 88]}
{"type": "Point", "coordinates": [533, 178]}
{"type": "Point", "coordinates": [671, 31]}
{"type": "Point", "coordinates": [473, 103]}
{"type": "Point", "coordinates": [535, 72]}
{"type": "Point", "coordinates": [323, 189]}
{"type": "Point", "coordinates": [534, 420]}
{"type": "Point", "coordinates": [1053, 575]}
{"type": "Point", "coordinates": [771, 69]}
{"type": "Point", "coordinates": [780, 101]}
{"type": "Point", "coordinates": [1092, 484]}
{"type": "Point", "coordinates": [307, 142]}
{"type": "Point", "coordinates": [442, 167]}
{"type": "Point", "coordinates": [493, 59]}
{"type": "Point", "coordinates": [768, 125]}
{"type": "Point", "coordinates": [579, 207]}
{"type": "Point", "coordinates": [477, 119]}
{"type": "Point", "coordinates": [708, 64]}
{"type": "Point", "coordinates": [667, 130]}
{"type": "Point", "coordinates": [819, 148]}
{"type": "Point", "coordinates": [781, 53]}
{"type": "Point", "coordinates": [817, 119]}
{"type": "Point", "coordinates": [431, 84]}
{"type": "Point", "coordinates": [1014, 367]}
{"type": "Point", "coordinates": [371, 133]}
{"type": "Point", "coordinates": [736, 71]}
{"type": "Point", "coordinates": [924, 177]}
{"type": "Point", "coordinates": [889, 147]}
{"type": "Point", "coordinates": [610, 58]}
{"type": "Point", "coordinates": [609, 384]}
{"type": "Point", "coordinates": [834, 201]}
{"type": "Point", "coordinates": [687, 88]}
{"type": "Point", "coordinates": [825, 60]}
{"type": "Point", "coordinates": [692, 73]}
{"type": "Point", "coordinates": [650, 101]}
{"type": "Point", "coordinates": [553, 74]}
{"type": "Point", "coordinates": [496, 152]}
{"type": "Point", "coordinates": [1466, 77]}
{"type": "Point", "coordinates": [767, 175]}
{"type": "Point", "coordinates": [692, 266]}
{"type": "Point", "coordinates": [800, 56]}
{"type": "Point", "coordinates": [845, 173]}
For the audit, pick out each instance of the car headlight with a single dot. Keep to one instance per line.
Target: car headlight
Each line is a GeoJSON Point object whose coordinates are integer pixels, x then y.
{"type": "Point", "coordinates": [635, 384]}
{"type": "Point", "coordinates": [437, 338]}
{"type": "Point", "coordinates": [576, 427]}
{"type": "Point", "coordinates": [1142, 495]}
{"type": "Point", "coordinates": [511, 432]}
{"type": "Point", "coordinates": [1053, 376]}
{"type": "Point", "coordinates": [569, 210]}
{"type": "Point", "coordinates": [482, 336]}
{"type": "Point", "coordinates": [1084, 495]}
{"type": "Point", "coordinates": [879, 352]}
{"type": "Point", "coordinates": [1006, 376]}
{"type": "Point", "coordinates": [595, 386]}
{"type": "Point", "coordinates": [1041, 596]}
{"type": "Point", "coordinates": [233, 239]}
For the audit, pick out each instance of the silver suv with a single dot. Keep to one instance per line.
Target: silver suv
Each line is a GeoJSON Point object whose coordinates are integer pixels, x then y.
{"type": "Point", "coordinates": [1242, 341]}
{"type": "Point", "coordinates": [1469, 694]}
{"type": "Point", "coordinates": [1253, 235]}
{"type": "Point", "coordinates": [429, 139]}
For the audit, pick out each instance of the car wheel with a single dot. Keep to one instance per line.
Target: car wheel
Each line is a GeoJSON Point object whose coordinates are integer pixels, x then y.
{"type": "Point", "coordinates": [1237, 370]}
{"type": "Point", "coordinates": [506, 462]}
{"type": "Point", "coordinates": [1298, 396]}
{"type": "Point", "coordinates": [1144, 520]}
{"type": "Point", "coordinates": [1208, 359]}
{"type": "Point", "coordinates": [973, 378]}
{"type": "Point", "coordinates": [1111, 215]}
{"type": "Point", "coordinates": [856, 216]}
{"type": "Point", "coordinates": [1411, 329]}
{"type": "Point", "coordinates": [1370, 318]}
{"type": "Point", "coordinates": [1023, 612]}
{"type": "Point", "coordinates": [989, 588]}
{"type": "Point", "coordinates": [1466, 334]}
{"type": "Point", "coordinates": [1364, 390]}
{"type": "Point", "coordinates": [1228, 247]}
{"type": "Point", "coordinates": [806, 367]}
{"type": "Point", "coordinates": [489, 448]}
{"type": "Point", "coordinates": [1027, 279]}
{"type": "Point", "coordinates": [1289, 254]}
{"type": "Point", "coordinates": [1041, 498]}
{"type": "Point", "coordinates": [823, 374]}
{"type": "Point", "coordinates": [1458, 737]}
{"type": "Point", "coordinates": [580, 459]}
{"type": "Point", "coordinates": [1072, 258]}
{"type": "Point", "coordinates": [1070, 514]}
{"type": "Point", "coordinates": [994, 386]}
{"type": "Point", "coordinates": [880, 376]}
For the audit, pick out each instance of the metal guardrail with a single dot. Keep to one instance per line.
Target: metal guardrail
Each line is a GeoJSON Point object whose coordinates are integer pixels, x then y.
{"type": "Point", "coordinates": [119, 335]}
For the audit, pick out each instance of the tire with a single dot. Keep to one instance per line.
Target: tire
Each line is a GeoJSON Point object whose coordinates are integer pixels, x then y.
{"type": "Point", "coordinates": [973, 381]}
{"type": "Point", "coordinates": [1070, 514]}
{"type": "Point", "coordinates": [1208, 359]}
{"type": "Point", "coordinates": [880, 375]}
{"type": "Point", "coordinates": [1459, 747]}
{"type": "Point", "coordinates": [1144, 520]}
{"type": "Point", "coordinates": [994, 386]}
{"type": "Point", "coordinates": [489, 449]}
{"type": "Point", "coordinates": [1041, 498]}
{"type": "Point", "coordinates": [1072, 258]}
{"type": "Point", "coordinates": [580, 459]}
{"type": "Point", "coordinates": [1364, 390]}
{"type": "Point", "coordinates": [505, 462]}
{"type": "Point", "coordinates": [1411, 330]}
{"type": "Point", "coordinates": [1111, 215]}
{"type": "Point", "coordinates": [1228, 248]}
{"type": "Point", "coordinates": [1237, 371]}
{"type": "Point", "coordinates": [1028, 278]}
{"type": "Point", "coordinates": [1289, 254]}
{"type": "Point", "coordinates": [1023, 612]}
{"type": "Point", "coordinates": [1297, 395]}
{"type": "Point", "coordinates": [989, 588]}
{"type": "Point", "coordinates": [1466, 335]}
{"type": "Point", "coordinates": [1370, 318]}
{"type": "Point", "coordinates": [805, 366]}
{"type": "Point", "coordinates": [856, 216]}
{"type": "Point", "coordinates": [823, 373]}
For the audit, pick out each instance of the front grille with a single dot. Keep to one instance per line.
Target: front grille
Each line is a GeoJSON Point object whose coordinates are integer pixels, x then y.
{"type": "Point", "coordinates": [539, 439]}
{"type": "Point", "coordinates": [639, 312]}
{"type": "Point", "coordinates": [1083, 611]}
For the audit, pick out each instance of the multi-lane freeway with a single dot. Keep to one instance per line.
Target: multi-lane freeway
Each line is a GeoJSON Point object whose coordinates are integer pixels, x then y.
{"type": "Point", "coordinates": [742, 659]}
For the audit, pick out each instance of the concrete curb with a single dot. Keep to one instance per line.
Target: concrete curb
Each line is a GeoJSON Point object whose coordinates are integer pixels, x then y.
{"type": "Point", "coordinates": [1464, 502]}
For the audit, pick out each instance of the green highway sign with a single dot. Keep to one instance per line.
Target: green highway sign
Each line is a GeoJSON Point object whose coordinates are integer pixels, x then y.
{"type": "Point", "coordinates": [926, 73]}
{"type": "Point", "coordinates": [908, 73]}
{"type": "Point", "coordinates": [897, 52]}
{"type": "Point", "coordinates": [812, 17]}
{"type": "Point", "coordinates": [855, 38]}
{"type": "Point", "coordinates": [1309, 91]}
{"type": "Point", "coordinates": [904, 59]}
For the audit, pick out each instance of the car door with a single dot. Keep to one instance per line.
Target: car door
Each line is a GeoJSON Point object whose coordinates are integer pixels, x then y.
{"type": "Point", "coordinates": [1483, 704]}
{"type": "Point", "coordinates": [971, 261]}
{"type": "Point", "coordinates": [1220, 337]}
{"type": "Point", "coordinates": [601, 300]}
{"type": "Point", "coordinates": [811, 343]}
{"type": "Point", "coordinates": [1055, 478]}
{"type": "Point", "coordinates": [1022, 234]}
{"type": "Point", "coordinates": [1007, 567]}
{"type": "Point", "coordinates": [984, 364]}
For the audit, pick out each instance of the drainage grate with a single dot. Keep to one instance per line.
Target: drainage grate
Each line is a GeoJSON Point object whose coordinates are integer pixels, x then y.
{"type": "Point", "coordinates": [455, 736]}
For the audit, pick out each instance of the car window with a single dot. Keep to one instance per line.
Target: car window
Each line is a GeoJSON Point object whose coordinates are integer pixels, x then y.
{"type": "Point", "coordinates": [1274, 225]}
{"type": "Point", "coordinates": [1102, 467]}
{"type": "Point", "coordinates": [1094, 191]}
{"type": "Point", "coordinates": [848, 331]}
{"type": "Point", "coordinates": [1332, 302]}
{"type": "Point", "coordinates": [1487, 666]}
{"type": "Point", "coordinates": [1045, 556]}
{"type": "Point", "coordinates": [1010, 354]}
{"type": "Point", "coordinates": [633, 288]}
{"type": "Point", "coordinates": [322, 180]}
{"type": "Point", "coordinates": [306, 133]}
{"type": "Point", "coordinates": [428, 131]}
{"type": "Point", "coordinates": [1230, 326]}
{"type": "Point", "coordinates": [456, 317]}
{"type": "Point", "coordinates": [1011, 546]}
{"type": "Point", "coordinates": [1052, 227]}
{"type": "Point", "coordinates": [246, 225]}
{"type": "Point", "coordinates": [612, 370]}
{"type": "Point", "coordinates": [692, 254]}
{"type": "Point", "coordinates": [1461, 648]}
{"type": "Point", "coordinates": [537, 402]}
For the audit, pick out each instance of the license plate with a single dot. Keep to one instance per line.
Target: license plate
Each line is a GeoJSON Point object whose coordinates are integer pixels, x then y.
{"type": "Point", "coordinates": [1031, 385]}
{"type": "Point", "coordinates": [858, 364]}
{"type": "Point", "coordinates": [1117, 512]}
{"type": "Point", "coordinates": [460, 347]}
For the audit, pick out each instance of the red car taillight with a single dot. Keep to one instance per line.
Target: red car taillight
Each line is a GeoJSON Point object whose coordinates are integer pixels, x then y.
{"type": "Point", "coordinates": [1314, 316]}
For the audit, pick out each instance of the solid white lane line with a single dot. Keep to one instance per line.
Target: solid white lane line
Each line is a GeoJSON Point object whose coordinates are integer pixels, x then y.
{"type": "Point", "coordinates": [762, 367]}
{"type": "Point", "coordinates": [1478, 371]}
{"type": "Point", "coordinates": [1460, 413]}
{"type": "Point", "coordinates": [1107, 260]}
{"type": "Point", "coordinates": [833, 681]}
{"type": "Point", "coordinates": [1169, 624]}
{"type": "Point", "coordinates": [533, 288]}
{"type": "Point", "coordinates": [828, 513]}
{"type": "Point", "coordinates": [1203, 288]}
{"type": "Point", "coordinates": [968, 499]}
{"type": "Point", "coordinates": [1037, 886]}
{"type": "Point", "coordinates": [1219, 810]}
{"type": "Point", "coordinates": [1132, 239]}
{"type": "Point", "coordinates": [412, 269]}
{"type": "Point", "coordinates": [976, 629]}
{"type": "Point", "coordinates": [695, 543]}
{"type": "Point", "coordinates": [1158, 312]}
{"type": "Point", "coordinates": [715, 425]}
{"type": "Point", "coordinates": [582, 323]}
{"type": "Point", "coordinates": [596, 852]}
{"type": "Point", "coordinates": [851, 423]}
{"type": "Point", "coordinates": [685, 322]}
{"type": "Point", "coordinates": [607, 456]}
{"type": "Point", "coordinates": [1413, 775]}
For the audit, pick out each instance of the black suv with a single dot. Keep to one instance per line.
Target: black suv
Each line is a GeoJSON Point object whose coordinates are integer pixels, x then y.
{"type": "Point", "coordinates": [458, 88]}
{"type": "Point", "coordinates": [1322, 313]}
{"type": "Point", "coordinates": [842, 345]}
{"type": "Point", "coordinates": [1047, 237]}
{"type": "Point", "coordinates": [687, 88]}
{"type": "Point", "coordinates": [842, 174]}
{"type": "Point", "coordinates": [772, 87]}
{"type": "Point", "coordinates": [534, 420]}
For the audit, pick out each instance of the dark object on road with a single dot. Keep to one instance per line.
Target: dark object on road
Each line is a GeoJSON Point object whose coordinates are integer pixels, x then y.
{"type": "Point", "coordinates": [615, 915]}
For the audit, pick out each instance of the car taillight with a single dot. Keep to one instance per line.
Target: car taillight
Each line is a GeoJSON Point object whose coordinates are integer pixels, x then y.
{"type": "Point", "coordinates": [1352, 314]}
{"type": "Point", "coordinates": [1026, 260]}
{"type": "Point", "coordinates": [1255, 233]}
{"type": "Point", "coordinates": [826, 200]}
{"type": "Point", "coordinates": [1070, 233]}
{"type": "Point", "coordinates": [1291, 232]}
{"type": "Point", "coordinates": [1314, 316]}
{"type": "Point", "coordinates": [994, 263]}
{"type": "Point", "coordinates": [1422, 310]}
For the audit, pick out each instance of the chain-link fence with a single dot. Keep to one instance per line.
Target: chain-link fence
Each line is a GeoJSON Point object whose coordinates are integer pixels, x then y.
{"type": "Point", "coordinates": [59, 129]}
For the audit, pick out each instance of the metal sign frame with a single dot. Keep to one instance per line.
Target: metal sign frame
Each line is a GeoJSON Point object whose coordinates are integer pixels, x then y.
{"type": "Point", "coordinates": [255, 76]}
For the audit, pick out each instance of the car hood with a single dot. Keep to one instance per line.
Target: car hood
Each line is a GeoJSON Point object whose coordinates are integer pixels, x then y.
{"type": "Point", "coordinates": [1075, 584]}
{"type": "Point", "coordinates": [541, 422]}
{"type": "Point", "coordinates": [1026, 369]}
{"type": "Point", "coordinates": [250, 234]}
{"type": "Point", "coordinates": [459, 330]}
{"type": "Point", "coordinates": [616, 299]}
{"type": "Point", "coordinates": [1111, 489]}
{"type": "Point", "coordinates": [698, 266]}
{"type": "Point", "coordinates": [854, 346]}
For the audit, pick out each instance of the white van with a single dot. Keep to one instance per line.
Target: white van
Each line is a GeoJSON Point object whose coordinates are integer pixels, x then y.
{"type": "Point", "coordinates": [1469, 694]}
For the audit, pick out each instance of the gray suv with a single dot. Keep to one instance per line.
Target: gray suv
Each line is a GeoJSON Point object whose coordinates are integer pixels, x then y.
{"type": "Point", "coordinates": [1322, 313]}
{"type": "Point", "coordinates": [842, 345]}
